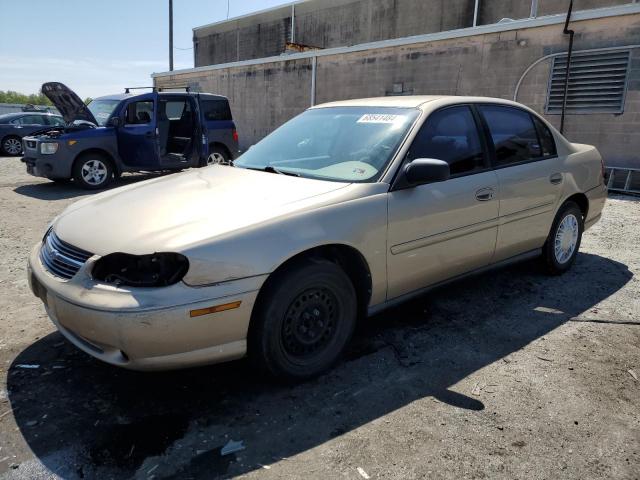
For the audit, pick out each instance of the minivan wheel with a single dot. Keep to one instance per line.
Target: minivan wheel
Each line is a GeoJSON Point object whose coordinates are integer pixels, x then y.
{"type": "Point", "coordinates": [92, 171]}
{"type": "Point", "coordinates": [12, 146]}
{"type": "Point", "coordinates": [304, 320]}
{"type": "Point", "coordinates": [563, 243]}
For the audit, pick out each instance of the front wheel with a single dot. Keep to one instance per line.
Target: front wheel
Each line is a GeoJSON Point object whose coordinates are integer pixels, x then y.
{"type": "Point", "coordinates": [92, 171]}
{"type": "Point", "coordinates": [304, 320]}
{"type": "Point", "coordinates": [561, 248]}
{"type": "Point", "coordinates": [12, 146]}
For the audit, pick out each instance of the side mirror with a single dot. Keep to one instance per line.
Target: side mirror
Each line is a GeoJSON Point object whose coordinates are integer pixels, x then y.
{"type": "Point", "coordinates": [115, 122]}
{"type": "Point", "coordinates": [426, 170]}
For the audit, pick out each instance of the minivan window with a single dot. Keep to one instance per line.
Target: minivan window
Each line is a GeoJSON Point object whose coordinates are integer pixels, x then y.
{"type": "Point", "coordinates": [514, 136]}
{"type": "Point", "coordinates": [451, 135]}
{"type": "Point", "coordinates": [216, 110]}
{"type": "Point", "coordinates": [102, 110]}
{"type": "Point", "coordinates": [139, 113]}
{"type": "Point", "coordinates": [547, 141]}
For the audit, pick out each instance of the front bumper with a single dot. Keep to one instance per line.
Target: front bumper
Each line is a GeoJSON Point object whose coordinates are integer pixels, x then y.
{"type": "Point", "coordinates": [146, 329]}
{"type": "Point", "coordinates": [48, 166]}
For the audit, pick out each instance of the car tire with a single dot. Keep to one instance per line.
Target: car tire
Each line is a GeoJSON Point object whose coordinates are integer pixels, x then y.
{"type": "Point", "coordinates": [303, 321]}
{"type": "Point", "coordinates": [562, 245]}
{"type": "Point", "coordinates": [11, 145]}
{"type": "Point", "coordinates": [92, 171]}
{"type": "Point", "coordinates": [218, 156]}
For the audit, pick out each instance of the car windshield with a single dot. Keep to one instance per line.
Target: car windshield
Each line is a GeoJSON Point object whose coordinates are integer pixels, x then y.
{"type": "Point", "coordinates": [343, 144]}
{"type": "Point", "coordinates": [102, 110]}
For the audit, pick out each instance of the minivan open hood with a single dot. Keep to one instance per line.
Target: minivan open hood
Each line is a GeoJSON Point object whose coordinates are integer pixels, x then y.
{"type": "Point", "coordinates": [70, 106]}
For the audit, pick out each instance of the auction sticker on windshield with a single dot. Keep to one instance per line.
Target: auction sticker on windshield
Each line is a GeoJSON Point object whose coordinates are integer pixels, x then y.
{"type": "Point", "coordinates": [378, 118]}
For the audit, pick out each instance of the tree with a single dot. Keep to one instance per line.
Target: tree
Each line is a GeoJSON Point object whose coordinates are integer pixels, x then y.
{"type": "Point", "coordinates": [11, 96]}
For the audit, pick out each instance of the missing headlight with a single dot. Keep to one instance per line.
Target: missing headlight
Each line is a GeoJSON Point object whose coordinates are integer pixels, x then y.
{"type": "Point", "coordinates": [156, 270]}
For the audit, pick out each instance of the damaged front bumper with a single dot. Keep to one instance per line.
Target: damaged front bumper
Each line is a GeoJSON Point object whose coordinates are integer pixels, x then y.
{"type": "Point", "coordinates": [147, 329]}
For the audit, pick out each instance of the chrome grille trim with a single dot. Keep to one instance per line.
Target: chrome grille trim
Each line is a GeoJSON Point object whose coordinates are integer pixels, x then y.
{"type": "Point", "coordinates": [60, 258]}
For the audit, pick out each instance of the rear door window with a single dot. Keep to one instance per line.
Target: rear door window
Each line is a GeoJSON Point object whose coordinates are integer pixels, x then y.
{"type": "Point", "coordinates": [451, 135]}
{"type": "Point", "coordinates": [32, 120]}
{"type": "Point", "coordinates": [216, 110]}
{"type": "Point", "coordinates": [513, 133]}
{"type": "Point", "coordinates": [547, 142]}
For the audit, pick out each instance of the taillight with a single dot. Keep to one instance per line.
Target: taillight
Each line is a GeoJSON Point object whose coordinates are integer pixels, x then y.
{"type": "Point", "coordinates": [235, 135]}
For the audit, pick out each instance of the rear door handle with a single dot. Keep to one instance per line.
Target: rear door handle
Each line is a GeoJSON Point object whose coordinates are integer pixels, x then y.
{"type": "Point", "coordinates": [149, 135]}
{"type": "Point", "coordinates": [555, 179]}
{"type": "Point", "coordinates": [484, 194]}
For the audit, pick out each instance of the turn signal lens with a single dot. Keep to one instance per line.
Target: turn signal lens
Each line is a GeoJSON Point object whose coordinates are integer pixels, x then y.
{"type": "Point", "coordinates": [216, 309]}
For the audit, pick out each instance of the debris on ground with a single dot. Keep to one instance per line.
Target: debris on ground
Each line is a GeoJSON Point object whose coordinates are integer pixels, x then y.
{"type": "Point", "coordinates": [476, 390]}
{"type": "Point", "coordinates": [363, 474]}
{"type": "Point", "coordinates": [232, 447]}
{"type": "Point", "coordinates": [633, 374]}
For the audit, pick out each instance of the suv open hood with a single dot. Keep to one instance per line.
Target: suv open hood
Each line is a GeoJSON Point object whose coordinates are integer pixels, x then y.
{"type": "Point", "coordinates": [70, 106]}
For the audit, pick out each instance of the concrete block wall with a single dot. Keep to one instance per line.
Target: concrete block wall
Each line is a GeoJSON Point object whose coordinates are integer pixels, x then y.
{"type": "Point", "coordinates": [265, 96]}
{"type": "Point", "coordinates": [337, 23]}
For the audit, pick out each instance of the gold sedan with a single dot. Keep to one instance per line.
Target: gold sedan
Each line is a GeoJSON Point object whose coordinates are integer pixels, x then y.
{"type": "Point", "coordinates": [343, 211]}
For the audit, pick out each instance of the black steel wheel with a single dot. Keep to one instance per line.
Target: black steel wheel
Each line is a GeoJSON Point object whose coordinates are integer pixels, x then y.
{"type": "Point", "coordinates": [304, 319]}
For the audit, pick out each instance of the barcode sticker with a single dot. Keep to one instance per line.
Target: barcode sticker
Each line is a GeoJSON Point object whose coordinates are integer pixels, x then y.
{"type": "Point", "coordinates": [378, 118]}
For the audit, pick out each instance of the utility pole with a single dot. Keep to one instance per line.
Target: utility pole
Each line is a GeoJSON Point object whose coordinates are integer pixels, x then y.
{"type": "Point", "coordinates": [171, 35]}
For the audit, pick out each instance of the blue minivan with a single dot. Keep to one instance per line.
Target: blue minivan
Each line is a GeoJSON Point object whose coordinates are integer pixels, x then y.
{"type": "Point", "coordinates": [154, 131]}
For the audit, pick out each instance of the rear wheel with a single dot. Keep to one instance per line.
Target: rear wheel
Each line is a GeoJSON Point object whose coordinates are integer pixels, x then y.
{"type": "Point", "coordinates": [563, 243]}
{"type": "Point", "coordinates": [12, 145]}
{"type": "Point", "coordinates": [218, 156]}
{"type": "Point", "coordinates": [93, 171]}
{"type": "Point", "coordinates": [304, 320]}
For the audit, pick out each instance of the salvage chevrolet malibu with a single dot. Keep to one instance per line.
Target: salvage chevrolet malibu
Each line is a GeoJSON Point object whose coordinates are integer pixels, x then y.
{"type": "Point", "coordinates": [343, 211]}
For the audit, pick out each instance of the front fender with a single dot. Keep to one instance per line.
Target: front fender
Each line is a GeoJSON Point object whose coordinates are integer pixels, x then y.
{"type": "Point", "coordinates": [261, 249]}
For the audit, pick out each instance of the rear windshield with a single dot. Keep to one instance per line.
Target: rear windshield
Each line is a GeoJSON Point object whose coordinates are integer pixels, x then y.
{"type": "Point", "coordinates": [216, 110]}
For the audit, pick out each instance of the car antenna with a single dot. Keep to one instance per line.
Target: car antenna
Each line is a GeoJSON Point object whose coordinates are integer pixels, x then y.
{"type": "Point", "coordinates": [128, 89]}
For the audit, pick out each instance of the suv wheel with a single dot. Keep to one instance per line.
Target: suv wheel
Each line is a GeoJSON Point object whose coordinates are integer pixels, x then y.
{"type": "Point", "coordinates": [304, 321]}
{"type": "Point", "coordinates": [92, 171]}
{"type": "Point", "coordinates": [561, 247]}
{"type": "Point", "coordinates": [217, 156]}
{"type": "Point", "coordinates": [12, 146]}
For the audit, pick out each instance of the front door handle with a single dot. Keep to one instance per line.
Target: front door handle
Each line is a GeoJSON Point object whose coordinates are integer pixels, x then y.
{"type": "Point", "coordinates": [149, 135]}
{"type": "Point", "coordinates": [484, 194]}
{"type": "Point", "coordinates": [556, 179]}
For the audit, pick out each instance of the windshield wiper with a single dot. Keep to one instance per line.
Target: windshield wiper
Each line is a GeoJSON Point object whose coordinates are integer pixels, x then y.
{"type": "Point", "coordinates": [272, 169]}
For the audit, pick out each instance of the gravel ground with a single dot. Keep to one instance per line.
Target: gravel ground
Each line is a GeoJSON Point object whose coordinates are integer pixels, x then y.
{"type": "Point", "coordinates": [511, 374]}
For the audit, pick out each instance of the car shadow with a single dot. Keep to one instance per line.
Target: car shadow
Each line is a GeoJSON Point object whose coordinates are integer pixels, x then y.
{"type": "Point", "coordinates": [65, 190]}
{"type": "Point", "coordinates": [82, 418]}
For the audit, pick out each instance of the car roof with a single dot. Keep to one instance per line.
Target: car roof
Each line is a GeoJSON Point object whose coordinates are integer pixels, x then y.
{"type": "Point", "coordinates": [124, 96]}
{"type": "Point", "coordinates": [413, 101]}
{"type": "Point", "coordinates": [5, 116]}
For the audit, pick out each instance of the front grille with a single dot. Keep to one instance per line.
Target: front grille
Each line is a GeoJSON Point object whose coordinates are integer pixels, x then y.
{"type": "Point", "coordinates": [60, 258]}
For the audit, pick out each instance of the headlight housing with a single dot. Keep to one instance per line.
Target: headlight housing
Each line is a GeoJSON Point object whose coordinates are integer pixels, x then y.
{"type": "Point", "coordinates": [155, 270]}
{"type": "Point", "coordinates": [48, 148]}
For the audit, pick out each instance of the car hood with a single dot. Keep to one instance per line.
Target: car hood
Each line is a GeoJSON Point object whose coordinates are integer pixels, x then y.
{"type": "Point", "coordinates": [174, 212]}
{"type": "Point", "coordinates": [70, 105]}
